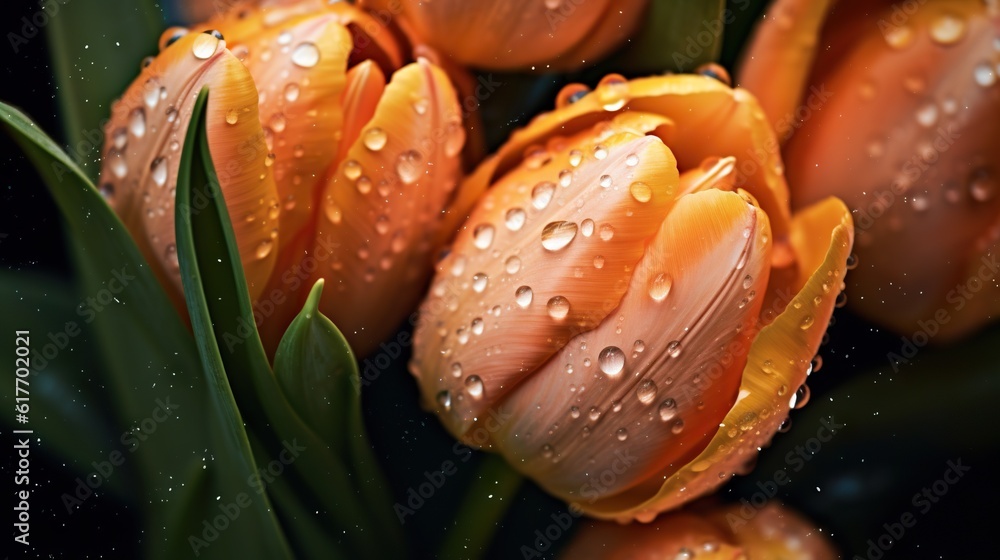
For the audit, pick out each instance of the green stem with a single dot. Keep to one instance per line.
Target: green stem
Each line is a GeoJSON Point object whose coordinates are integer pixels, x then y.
{"type": "Point", "coordinates": [484, 506]}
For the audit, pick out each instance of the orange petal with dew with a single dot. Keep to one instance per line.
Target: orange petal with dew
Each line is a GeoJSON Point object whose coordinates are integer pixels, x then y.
{"type": "Point", "coordinates": [774, 531]}
{"type": "Point", "coordinates": [653, 381]}
{"type": "Point", "coordinates": [776, 366]}
{"type": "Point", "coordinates": [677, 535]}
{"type": "Point", "coordinates": [777, 63]}
{"type": "Point", "coordinates": [380, 210]}
{"type": "Point", "coordinates": [521, 280]}
{"type": "Point", "coordinates": [143, 145]}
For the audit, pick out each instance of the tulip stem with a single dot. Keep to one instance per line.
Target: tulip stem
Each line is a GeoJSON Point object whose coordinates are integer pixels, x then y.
{"type": "Point", "coordinates": [485, 503]}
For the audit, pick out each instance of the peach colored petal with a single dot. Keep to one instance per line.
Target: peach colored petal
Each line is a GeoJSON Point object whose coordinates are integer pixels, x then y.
{"type": "Point", "coordinates": [666, 539]}
{"type": "Point", "coordinates": [779, 58]}
{"type": "Point", "coordinates": [379, 211]}
{"type": "Point", "coordinates": [775, 368]}
{"type": "Point", "coordinates": [143, 145]}
{"type": "Point", "coordinates": [914, 152]}
{"type": "Point", "coordinates": [605, 198]}
{"type": "Point", "coordinates": [713, 173]}
{"type": "Point", "coordinates": [660, 372]}
{"type": "Point", "coordinates": [365, 84]}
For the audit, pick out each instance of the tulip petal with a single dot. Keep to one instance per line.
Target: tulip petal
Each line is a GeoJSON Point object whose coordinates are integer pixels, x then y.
{"type": "Point", "coordinates": [680, 335]}
{"type": "Point", "coordinates": [678, 535]}
{"type": "Point", "coordinates": [725, 122]}
{"type": "Point", "coordinates": [572, 224]}
{"type": "Point", "coordinates": [142, 154]}
{"type": "Point", "coordinates": [619, 22]}
{"type": "Point", "coordinates": [779, 58]}
{"type": "Point", "coordinates": [774, 531]}
{"type": "Point", "coordinates": [776, 366]}
{"type": "Point", "coordinates": [918, 163]}
{"type": "Point", "coordinates": [379, 210]}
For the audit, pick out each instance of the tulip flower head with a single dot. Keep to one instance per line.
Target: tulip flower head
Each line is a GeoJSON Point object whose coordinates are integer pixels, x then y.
{"type": "Point", "coordinates": [897, 115]}
{"type": "Point", "coordinates": [707, 533]}
{"type": "Point", "coordinates": [337, 159]}
{"type": "Point", "coordinates": [516, 34]}
{"type": "Point", "coordinates": [631, 295]}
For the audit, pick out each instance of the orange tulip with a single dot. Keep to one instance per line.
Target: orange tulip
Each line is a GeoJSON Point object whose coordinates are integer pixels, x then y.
{"type": "Point", "coordinates": [706, 533]}
{"type": "Point", "coordinates": [328, 171]}
{"type": "Point", "coordinates": [896, 113]}
{"type": "Point", "coordinates": [620, 292]}
{"type": "Point", "coordinates": [516, 34]}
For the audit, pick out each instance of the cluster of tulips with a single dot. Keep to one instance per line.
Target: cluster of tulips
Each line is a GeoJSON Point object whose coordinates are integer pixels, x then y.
{"type": "Point", "coordinates": [644, 272]}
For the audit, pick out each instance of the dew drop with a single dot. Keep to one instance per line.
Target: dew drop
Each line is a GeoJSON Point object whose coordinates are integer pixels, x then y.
{"type": "Point", "coordinates": [611, 360]}
{"type": "Point", "coordinates": [984, 74]}
{"type": "Point", "coordinates": [291, 92]}
{"type": "Point", "coordinates": [479, 282]}
{"type": "Point", "coordinates": [542, 194]}
{"type": "Point", "coordinates": [587, 227]}
{"type": "Point", "coordinates": [660, 286]}
{"type": "Point", "coordinates": [674, 349]}
{"type": "Point", "coordinates": [575, 158]}
{"type": "Point", "coordinates": [119, 167]}
{"type": "Point", "coordinates": [565, 178]}
{"type": "Point", "coordinates": [264, 249]}
{"type": "Point", "coordinates": [232, 116]}
{"type": "Point", "coordinates": [278, 122]}
{"type": "Point", "coordinates": [444, 400]}
{"type": "Point", "coordinates": [607, 232]}
{"type": "Point", "coordinates": [982, 187]}
{"type": "Point", "coordinates": [640, 191]}
{"type": "Point", "coordinates": [523, 296]}
{"type": "Point", "coordinates": [800, 398]}
{"type": "Point", "coordinates": [631, 160]}
{"type": "Point", "coordinates": [646, 391]}
{"type": "Point", "coordinates": [482, 236]}
{"type": "Point", "coordinates": [151, 93]}
{"type": "Point", "coordinates": [947, 29]}
{"type": "Point", "coordinates": [474, 386]}
{"type": "Point", "coordinates": [456, 369]}
{"type": "Point", "coordinates": [352, 169]}
{"type": "Point", "coordinates": [574, 412]}
{"type": "Point", "coordinates": [332, 211]}
{"type": "Point", "coordinates": [305, 55]}
{"type": "Point", "coordinates": [375, 139]}
{"type": "Point", "coordinates": [605, 181]}
{"type": "Point", "coordinates": [807, 322]}
{"type": "Point", "coordinates": [594, 414]}
{"type": "Point", "coordinates": [515, 218]}
{"type": "Point", "coordinates": [598, 262]}
{"type": "Point", "coordinates": [667, 410]}
{"type": "Point", "coordinates": [158, 171]}
{"type": "Point", "coordinates": [898, 37]}
{"type": "Point", "coordinates": [513, 265]}
{"type": "Point", "coordinates": [927, 115]}
{"type": "Point", "coordinates": [170, 254]}
{"type": "Point", "coordinates": [558, 307]}
{"type": "Point", "coordinates": [137, 122]}
{"type": "Point", "coordinates": [677, 427]}
{"type": "Point", "coordinates": [408, 166]}
{"type": "Point", "coordinates": [621, 434]}
{"type": "Point", "coordinates": [557, 235]}
{"type": "Point", "coordinates": [600, 151]}
{"type": "Point", "coordinates": [204, 46]}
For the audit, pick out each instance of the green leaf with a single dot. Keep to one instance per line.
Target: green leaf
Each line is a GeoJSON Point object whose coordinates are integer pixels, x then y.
{"type": "Point", "coordinates": [150, 359]}
{"type": "Point", "coordinates": [96, 48]}
{"type": "Point", "coordinates": [676, 36]}
{"type": "Point", "coordinates": [319, 375]}
{"type": "Point", "coordinates": [221, 310]}
{"type": "Point", "coordinates": [316, 369]}
{"type": "Point", "coordinates": [260, 532]}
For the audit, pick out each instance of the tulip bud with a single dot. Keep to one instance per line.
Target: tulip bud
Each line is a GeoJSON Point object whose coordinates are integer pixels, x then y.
{"type": "Point", "coordinates": [619, 292]}
{"type": "Point", "coordinates": [516, 34]}
{"type": "Point", "coordinates": [355, 156]}
{"type": "Point", "coordinates": [896, 115]}
{"type": "Point", "coordinates": [707, 532]}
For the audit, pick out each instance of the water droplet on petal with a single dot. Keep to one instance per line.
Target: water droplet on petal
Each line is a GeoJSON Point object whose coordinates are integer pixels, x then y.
{"type": "Point", "coordinates": [542, 194]}
{"type": "Point", "coordinates": [515, 219]}
{"type": "Point", "coordinates": [575, 158]}
{"type": "Point", "coordinates": [232, 116]}
{"type": "Point", "coordinates": [137, 122]}
{"type": "Point", "coordinates": [660, 286]}
{"type": "Point", "coordinates": [646, 391]}
{"type": "Point", "coordinates": [116, 159]}
{"type": "Point", "coordinates": [607, 232]}
{"type": "Point", "coordinates": [204, 46]}
{"type": "Point", "coordinates": [158, 171]}
{"type": "Point", "coordinates": [291, 92]}
{"type": "Point", "coordinates": [640, 191]}
{"type": "Point", "coordinates": [632, 160]}
{"type": "Point", "coordinates": [598, 262]}
{"type": "Point", "coordinates": [587, 227]}
{"type": "Point", "coordinates": [678, 427]}
{"type": "Point", "coordinates": [332, 211]}
{"type": "Point", "coordinates": [352, 169]}
{"type": "Point", "coordinates": [800, 398]}
{"type": "Point", "coordinates": [611, 360]}
{"type": "Point", "coordinates": [667, 410]}
{"type": "Point", "coordinates": [375, 139]}
{"type": "Point", "coordinates": [982, 186]}
{"type": "Point", "coordinates": [305, 55]}
{"type": "Point", "coordinates": [605, 181]}
{"type": "Point", "coordinates": [947, 29]}
{"type": "Point", "coordinates": [444, 400]}
{"type": "Point", "coordinates": [984, 74]}
{"type": "Point", "coordinates": [621, 434]}
{"type": "Point", "coordinates": [513, 265]}
{"type": "Point", "coordinates": [482, 236]}
{"type": "Point", "coordinates": [408, 166]}
{"type": "Point", "coordinates": [898, 37]}
{"type": "Point", "coordinates": [674, 349]}
{"type": "Point", "coordinates": [600, 151]}
{"type": "Point", "coordinates": [558, 307]}
{"type": "Point", "coordinates": [927, 115]}
{"type": "Point", "coordinates": [479, 282]}
{"type": "Point", "coordinates": [557, 235]}
{"type": "Point", "coordinates": [474, 386]}
{"type": "Point", "coordinates": [807, 322]}
{"type": "Point", "coordinates": [264, 249]}
{"type": "Point", "coordinates": [523, 296]}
